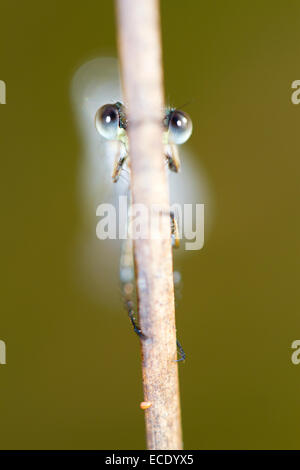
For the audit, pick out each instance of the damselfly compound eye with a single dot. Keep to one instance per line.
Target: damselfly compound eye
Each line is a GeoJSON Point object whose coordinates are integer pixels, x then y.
{"type": "Point", "coordinates": [180, 126]}
{"type": "Point", "coordinates": [107, 121]}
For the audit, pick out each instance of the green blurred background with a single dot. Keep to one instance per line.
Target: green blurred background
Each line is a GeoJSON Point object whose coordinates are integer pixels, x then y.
{"type": "Point", "coordinates": [73, 375]}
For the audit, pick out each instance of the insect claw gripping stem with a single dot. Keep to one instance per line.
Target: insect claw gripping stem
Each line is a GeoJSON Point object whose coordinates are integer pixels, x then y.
{"type": "Point", "coordinates": [137, 330]}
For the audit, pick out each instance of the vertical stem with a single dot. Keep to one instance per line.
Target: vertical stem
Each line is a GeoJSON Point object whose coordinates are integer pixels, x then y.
{"type": "Point", "coordinates": [141, 70]}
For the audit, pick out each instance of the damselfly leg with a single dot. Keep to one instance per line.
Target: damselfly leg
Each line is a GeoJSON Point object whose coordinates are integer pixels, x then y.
{"type": "Point", "coordinates": [172, 157]}
{"type": "Point", "coordinates": [118, 166]}
{"type": "Point", "coordinates": [177, 291]}
{"type": "Point", "coordinates": [174, 231]}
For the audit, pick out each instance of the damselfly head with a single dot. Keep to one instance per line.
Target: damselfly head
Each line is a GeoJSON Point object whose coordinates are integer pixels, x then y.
{"type": "Point", "coordinates": [179, 125]}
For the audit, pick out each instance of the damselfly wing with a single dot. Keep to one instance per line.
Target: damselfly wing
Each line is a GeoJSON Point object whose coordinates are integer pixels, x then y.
{"type": "Point", "coordinates": [94, 85]}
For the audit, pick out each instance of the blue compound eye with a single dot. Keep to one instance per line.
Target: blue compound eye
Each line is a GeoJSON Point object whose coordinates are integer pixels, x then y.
{"type": "Point", "coordinates": [107, 121]}
{"type": "Point", "coordinates": [180, 127]}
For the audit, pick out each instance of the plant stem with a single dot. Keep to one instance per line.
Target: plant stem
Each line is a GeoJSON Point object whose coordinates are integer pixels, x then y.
{"type": "Point", "coordinates": [142, 78]}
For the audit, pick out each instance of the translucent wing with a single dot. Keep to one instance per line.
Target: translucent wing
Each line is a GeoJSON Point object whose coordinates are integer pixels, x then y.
{"type": "Point", "coordinates": [96, 83]}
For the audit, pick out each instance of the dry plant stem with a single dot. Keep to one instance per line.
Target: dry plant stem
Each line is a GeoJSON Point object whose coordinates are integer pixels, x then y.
{"type": "Point", "coordinates": [141, 70]}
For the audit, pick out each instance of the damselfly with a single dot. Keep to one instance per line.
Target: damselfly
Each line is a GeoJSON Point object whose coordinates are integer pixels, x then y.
{"type": "Point", "coordinates": [95, 83]}
{"type": "Point", "coordinates": [111, 123]}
